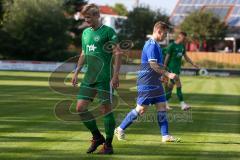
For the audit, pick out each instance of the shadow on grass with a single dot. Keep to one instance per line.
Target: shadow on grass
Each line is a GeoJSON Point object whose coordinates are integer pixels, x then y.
{"type": "Point", "coordinates": [38, 116]}
{"type": "Point", "coordinates": [128, 151]}
{"type": "Point", "coordinates": [36, 139]}
{"type": "Point", "coordinates": [23, 78]}
{"type": "Point", "coordinates": [192, 98]}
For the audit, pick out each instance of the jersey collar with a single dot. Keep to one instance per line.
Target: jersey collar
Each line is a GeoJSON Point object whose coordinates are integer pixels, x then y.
{"type": "Point", "coordinates": [97, 28]}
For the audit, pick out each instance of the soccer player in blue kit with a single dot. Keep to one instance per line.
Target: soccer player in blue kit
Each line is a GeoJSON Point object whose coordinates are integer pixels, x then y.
{"type": "Point", "coordinates": [149, 85]}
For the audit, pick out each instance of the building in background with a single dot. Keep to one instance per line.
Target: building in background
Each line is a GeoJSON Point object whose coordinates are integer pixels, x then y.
{"type": "Point", "coordinates": [227, 10]}
{"type": "Point", "coordinates": [108, 17]}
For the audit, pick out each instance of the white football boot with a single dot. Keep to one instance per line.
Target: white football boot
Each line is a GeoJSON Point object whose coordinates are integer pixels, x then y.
{"type": "Point", "coordinates": [119, 133]}
{"type": "Point", "coordinates": [185, 106]}
{"type": "Point", "coordinates": [169, 138]}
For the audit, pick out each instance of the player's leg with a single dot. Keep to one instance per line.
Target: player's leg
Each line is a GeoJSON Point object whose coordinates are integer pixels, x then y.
{"type": "Point", "coordinates": [105, 92]}
{"type": "Point", "coordinates": [168, 91]}
{"type": "Point", "coordinates": [163, 121]}
{"type": "Point", "coordinates": [85, 96]}
{"type": "Point", "coordinates": [109, 124]}
{"type": "Point", "coordinates": [184, 106]}
{"type": "Point", "coordinates": [128, 120]}
{"type": "Point", "coordinates": [162, 118]}
{"type": "Point", "coordinates": [179, 89]}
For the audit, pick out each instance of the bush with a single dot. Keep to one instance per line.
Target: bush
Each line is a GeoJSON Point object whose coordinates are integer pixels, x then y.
{"type": "Point", "coordinates": [35, 30]}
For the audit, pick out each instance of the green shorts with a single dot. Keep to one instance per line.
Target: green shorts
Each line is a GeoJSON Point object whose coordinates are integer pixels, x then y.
{"type": "Point", "coordinates": [174, 70]}
{"type": "Point", "coordinates": [102, 90]}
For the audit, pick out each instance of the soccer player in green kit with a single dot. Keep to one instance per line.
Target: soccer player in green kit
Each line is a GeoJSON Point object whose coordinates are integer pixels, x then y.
{"type": "Point", "coordinates": [173, 61]}
{"type": "Point", "coordinates": [98, 79]}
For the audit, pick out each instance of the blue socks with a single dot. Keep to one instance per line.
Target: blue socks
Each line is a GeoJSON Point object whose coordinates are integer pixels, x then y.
{"type": "Point", "coordinates": [161, 117]}
{"type": "Point", "coordinates": [128, 120]}
{"type": "Point", "coordinates": [162, 122]}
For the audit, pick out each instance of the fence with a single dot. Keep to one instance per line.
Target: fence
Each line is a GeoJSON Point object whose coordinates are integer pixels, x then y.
{"type": "Point", "coordinates": [226, 58]}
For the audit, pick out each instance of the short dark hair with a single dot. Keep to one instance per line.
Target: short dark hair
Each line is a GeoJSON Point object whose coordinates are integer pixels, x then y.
{"type": "Point", "coordinates": [183, 33]}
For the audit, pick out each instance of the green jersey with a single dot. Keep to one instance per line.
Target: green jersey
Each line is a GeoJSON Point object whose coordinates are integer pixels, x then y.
{"type": "Point", "coordinates": [96, 45]}
{"type": "Point", "coordinates": [175, 52]}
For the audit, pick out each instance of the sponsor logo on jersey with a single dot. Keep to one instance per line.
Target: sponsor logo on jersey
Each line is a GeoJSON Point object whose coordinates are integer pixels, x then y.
{"type": "Point", "coordinates": [114, 37]}
{"type": "Point", "coordinates": [179, 54]}
{"type": "Point", "coordinates": [97, 38]}
{"type": "Point", "coordinates": [91, 48]}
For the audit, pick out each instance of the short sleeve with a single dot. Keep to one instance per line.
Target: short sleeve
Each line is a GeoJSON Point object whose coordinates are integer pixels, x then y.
{"type": "Point", "coordinates": [152, 53]}
{"type": "Point", "coordinates": [112, 35]}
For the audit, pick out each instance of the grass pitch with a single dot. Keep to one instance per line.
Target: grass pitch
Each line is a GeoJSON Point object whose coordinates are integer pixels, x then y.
{"type": "Point", "coordinates": [29, 129]}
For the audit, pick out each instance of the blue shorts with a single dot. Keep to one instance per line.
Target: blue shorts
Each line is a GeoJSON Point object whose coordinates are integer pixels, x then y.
{"type": "Point", "coordinates": [148, 101]}
{"type": "Point", "coordinates": [151, 95]}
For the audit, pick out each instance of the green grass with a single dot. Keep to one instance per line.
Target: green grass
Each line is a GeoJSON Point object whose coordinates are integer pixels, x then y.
{"type": "Point", "coordinates": [29, 129]}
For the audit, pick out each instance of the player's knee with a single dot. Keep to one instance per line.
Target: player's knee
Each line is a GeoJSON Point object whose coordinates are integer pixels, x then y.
{"type": "Point", "coordinates": [81, 107]}
{"type": "Point", "coordinates": [161, 107]}
{"type": "Point", "coordinates": [170, 86]}
{"type": "Point", "coordinates": [179, 85]}
{"type": "Point", "coordinates": [141, 110]}
{"type": "Point", "coordinates": [105, 109]}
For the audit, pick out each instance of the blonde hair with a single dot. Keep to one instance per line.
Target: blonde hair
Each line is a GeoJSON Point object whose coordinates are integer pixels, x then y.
{"type": "Point", "coordinates": [90, 9]}
{"type": "Point", "coordinates": [160, 25]}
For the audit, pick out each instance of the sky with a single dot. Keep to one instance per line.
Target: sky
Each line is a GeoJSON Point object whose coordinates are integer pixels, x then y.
{"type": "Point", "coordinates": [166, 5]}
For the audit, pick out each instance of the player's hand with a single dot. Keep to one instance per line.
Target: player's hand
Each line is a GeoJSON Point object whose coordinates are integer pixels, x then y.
{"type": "Point", "coordinates": [171, 75]}
{"type": "Point", "coordinates": [75, 80]}
{"type": "Point", "coordinates": [196, 66]}
{"type": "Point", "coordinates": [115, 82]}
{"type": "Point", "coordinates": [164, 79]}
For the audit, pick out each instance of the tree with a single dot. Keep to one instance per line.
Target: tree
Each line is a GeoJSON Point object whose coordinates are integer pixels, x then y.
{"type": "Point", "coordinates": [72, 7]}
{"type": "Point", "coordinates": [1, 10]}
{"type": "Point", "coordinates": [4, 5]}
{"type": "Point", "coordinates": [37, 30]}
{"type": "Point", "coordinates": [204, 26]}
{"type": "Point", "coordinates": [140, 23]}
{"type": "Point", "coordinates": [120, 9]}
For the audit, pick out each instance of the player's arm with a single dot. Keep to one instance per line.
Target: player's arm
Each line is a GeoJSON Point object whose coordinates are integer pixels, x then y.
{"type": "Point", "coordinates": [78, 69]}
{"type": "Point", "coordinates": [168, 54]}
{"type": "Point", "coordinates": [117, 58]}
{"type": "Point", "coordinates": [188, 59]}
{"type": "Point", "coordinates": [117, 66]}
{"type": "Point", "coordinates": [161, 70]}
{"type": "Point", "coordinates": [166, 60]}
{"type": "Point", "coordinates": [80, 63]}
{"type": "Point", "coordinates": [152, 55]}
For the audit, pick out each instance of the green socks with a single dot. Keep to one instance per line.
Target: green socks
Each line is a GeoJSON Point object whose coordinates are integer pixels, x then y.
{"type": "Point", "coordinates": [179, 94]}
{"type": "Point", "coordinates": [90, 122]}
{"type": "Point", "coordinates": [109, 124]}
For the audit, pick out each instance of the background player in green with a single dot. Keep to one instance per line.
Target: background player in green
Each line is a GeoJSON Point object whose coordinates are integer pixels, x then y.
{"type": "Point", "coordinates": [98, 79]}
{"type": "Point", "coordinates": [173, 61]}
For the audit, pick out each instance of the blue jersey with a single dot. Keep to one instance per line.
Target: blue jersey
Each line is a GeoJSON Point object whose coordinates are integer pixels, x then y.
{"type": "Point", "coordinates": [148, 83]}
{"type": "Point", "coordinates": [151, 52]}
